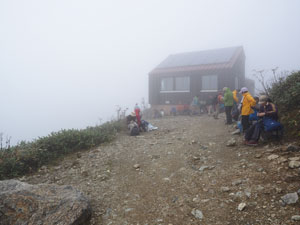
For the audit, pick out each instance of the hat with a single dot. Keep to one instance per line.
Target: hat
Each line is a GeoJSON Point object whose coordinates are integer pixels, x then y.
{"type": "Point", "coordinates": [224, 88]}
{"type": "Point", "coordinates": [262, 99]}
{"type": "Point", "coordinates": [132, 114]}
{"type": "Point", "coordinates": [243, 89]}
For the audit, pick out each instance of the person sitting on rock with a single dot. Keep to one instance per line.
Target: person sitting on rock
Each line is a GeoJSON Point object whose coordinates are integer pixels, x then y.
{"type": "Point", "coordinates": [267, 111]}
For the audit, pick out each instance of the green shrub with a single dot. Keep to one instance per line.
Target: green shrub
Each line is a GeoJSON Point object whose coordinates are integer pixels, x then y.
{"type": "Point", "coordinates": [27, 157]}
{"type": "Point", "coordinates": [285, 92]}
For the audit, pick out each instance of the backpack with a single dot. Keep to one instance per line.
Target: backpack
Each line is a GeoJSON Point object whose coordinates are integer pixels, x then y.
{"type": "Point", "coordinates": [134, 131]}
{"type": "Point", "coordinates": [270, 124]}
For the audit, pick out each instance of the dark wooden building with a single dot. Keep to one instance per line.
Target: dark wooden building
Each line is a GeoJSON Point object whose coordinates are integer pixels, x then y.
{"type": "Point", "coordinates": [182, 76]}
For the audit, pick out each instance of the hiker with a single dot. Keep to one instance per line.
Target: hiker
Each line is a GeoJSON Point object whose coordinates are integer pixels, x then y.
{"type": "Point", "coordinates": [179, 108]}
{"type": "Point", "coordinates": [133, 128]}
{"type": "Point", "coordinates": [268, 115]}
{"type": "Point", "coordinates": [173, 111]}
{"type": "Point", "coordinates": [156, 114]}
{"type": "Point", "coordinates": [202, 107]}
{"type": "Point", "coordinates": [137, 111]}
{"type": "Point", "coordinates": [131, 117]}
{"type": "Point", "coordinates": [234, 94]}
{"type": "Point", "coordinates": [186, 109]}
{"type": "Point", "coordinates": [195, 105]}
{"type": "Point", "coordinates": [246, 103]}
{"type": "Point", "coordinates": [209, 105]}
{"type": "Point", "coordinates": [253, 117]}
{"type": "Point", "coordinates": [218, 100]}
{"type": "Point", "coordinates": [228, 102]}
{"type": "Point", "coordinates": [235, 111]}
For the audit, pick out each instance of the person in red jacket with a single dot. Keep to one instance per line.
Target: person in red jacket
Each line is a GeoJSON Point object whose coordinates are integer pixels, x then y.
{"type": "Point", "coordinates": [137, 111]}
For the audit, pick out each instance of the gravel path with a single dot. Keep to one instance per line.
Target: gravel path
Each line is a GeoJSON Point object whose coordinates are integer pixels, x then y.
{"type": "Point", "coordinates": [183, 173]}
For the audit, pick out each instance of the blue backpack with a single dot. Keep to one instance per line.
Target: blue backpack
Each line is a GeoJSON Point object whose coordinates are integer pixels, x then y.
{"type": "Point", "coordinates": [270, 124]}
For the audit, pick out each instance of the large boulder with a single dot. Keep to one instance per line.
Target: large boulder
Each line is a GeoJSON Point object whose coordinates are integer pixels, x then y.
{"type": "Point", "coordinates": [22, 203]}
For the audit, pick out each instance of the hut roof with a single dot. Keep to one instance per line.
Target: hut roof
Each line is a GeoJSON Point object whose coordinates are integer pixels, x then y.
{"type": "Point", "coordinates": [200, 60]}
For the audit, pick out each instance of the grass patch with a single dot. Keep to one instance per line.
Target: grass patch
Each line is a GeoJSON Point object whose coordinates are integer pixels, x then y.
{"type": "Point", "coordinates": [27, 157]}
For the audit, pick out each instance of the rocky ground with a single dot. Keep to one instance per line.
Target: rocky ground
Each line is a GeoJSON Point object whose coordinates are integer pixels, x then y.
{"type": "Point", "coordinates": [183, 173]}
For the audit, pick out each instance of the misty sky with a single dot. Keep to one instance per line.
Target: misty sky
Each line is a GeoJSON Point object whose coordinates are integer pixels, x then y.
{"type": "Point", "coordinates": [67, 63]}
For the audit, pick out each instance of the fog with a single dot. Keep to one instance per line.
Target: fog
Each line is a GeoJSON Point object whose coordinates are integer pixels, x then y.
{"type": "Point", "coordinates": [68, 64]}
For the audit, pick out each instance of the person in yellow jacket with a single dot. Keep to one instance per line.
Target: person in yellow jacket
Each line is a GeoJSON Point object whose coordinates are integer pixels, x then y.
{"type": "Point", "coordinates": [235, 112]}
{"type": "Point", "coordinates": [235, 98]}
{"type": "Point", "coordinates": [247, 103]}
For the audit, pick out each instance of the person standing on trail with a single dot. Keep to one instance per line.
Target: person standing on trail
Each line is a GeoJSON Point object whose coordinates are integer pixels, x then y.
{"type": "Point", "coordinates": [209, 105]}
{"type": "Point", "coordinates": [235, 111]}
{"type": "Point", "coordinates": [137, 111]}
{"type": "Point", "coordinates": [217, 102]}
{"type": "Point", "coordinates": [195, 105]}
{"type": "Point", "coordinates": [247, 103]}
{"type": "Point", "coordinates": [228, 102]}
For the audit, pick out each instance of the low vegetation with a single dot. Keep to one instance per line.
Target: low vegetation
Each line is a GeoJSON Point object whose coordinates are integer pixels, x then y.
{"type": "Point", "coordinates": [285, 92]}
{"type": "Point", "coordinates": [28, 157]}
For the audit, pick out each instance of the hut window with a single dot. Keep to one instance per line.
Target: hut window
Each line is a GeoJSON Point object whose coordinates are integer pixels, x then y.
{"type": "Point", "coordinates": [166, 84]}
{"type": "Point", "coordinates": [182, 83]}
{"type": "Point", "coordinates": [210, 83]}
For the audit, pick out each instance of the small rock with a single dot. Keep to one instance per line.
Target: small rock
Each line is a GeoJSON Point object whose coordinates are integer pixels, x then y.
{"type": "Point", "coordinates": [175, 199]}
{"type": "Point", "coordinates": [260, 188]}
{"type": "Point", "coordinates": [290, 198]}
{"type": "Point", "coordinates": [260, 169]}
{"type": "Point", "coordinates": [57, 168]}
{"type": "Point", "coordinates": [78, 155]}
{"type": "Point", "coordinates": [197, 200]}
{"type": "Point", "coordinates": [202, 168]}
{"type": "Point", "coordinates": [197, 213]}
{"type": "Point", "coordinates": [296, 218]}
{"type": "Point", "coordinates": [248, 194]}
{"type": "Point", "coordinates": [281, 160]}
{"type": "Point", "coordinates": [103, 177]}
{"type": "Point", "coordinates": [136, 166]}
{"type": "Point", "coordinates": [294, 158]}
{"type": "Point", "coordinates": [203, 147]}
{"type": "Point", "coordinates": [231, 142]}
{"type": "Point", "coordinates": [239, 194]}
{"type": "Point", "coordinates": [292, 148]}
{"type": "Point", "coordinates": [44, 168]}
{"type": "Point", "coordinates": [242, 206]}
{"type": "Point", "coordinates": [258, 156]}
{"type": "Point", "coordinates": [128, 210]}
{"type": "Point", "coordinates": [225, 189]}
{"type": "Point", "coordinates": [85, 173]}
{"type": "Point", "coordinates": [294, 164]}
{"type": "Point", "coordinates": [273, 156]}
{"type": "Point", "coordinates": [237, 182]}
{"type": "Point", "coordinates": [237, 131]}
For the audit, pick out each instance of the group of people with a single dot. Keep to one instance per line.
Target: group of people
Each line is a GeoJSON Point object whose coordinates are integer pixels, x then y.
{"type": "Point", "coordinates": [257, 114]}
{"type": "Point", "coordinates": [136, 124]}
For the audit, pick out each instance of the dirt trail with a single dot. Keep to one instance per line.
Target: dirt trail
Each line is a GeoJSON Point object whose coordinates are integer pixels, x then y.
{"type": "Point", "coordinates": [178, 174]}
